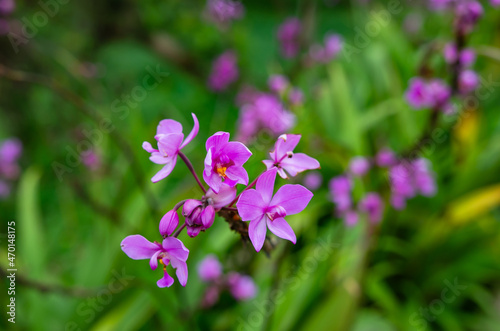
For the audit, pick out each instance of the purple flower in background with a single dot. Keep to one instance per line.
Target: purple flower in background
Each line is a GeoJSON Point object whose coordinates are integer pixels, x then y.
{"type": "Point", "coordinates": [351, 218]}
{"type": "Point", "coordinates": [224, 72]}
{"type": "Point", "coordinates": [283, 157]}
{"type": "Point", "coordinates": [340, 191]}
{"type": "Point", "coordinates": [409, 178]}
{"type": "Point", "coordinates": [495, 3]}
{"type": "Point", "coordinates": [417, 94]}
{"type": "Point", "coordinates": [359, 166]}
{"type": "Point", "coordinates": [433, 94]}
{"type": "Point", "coordinates": [91, 160]}
{"type": "Point", "coordinates": [313, 180]}
{"type": "Point", "coordinates": [170, 141]}
{"type": "Point", "coordinates": [209, 269]}
{"type": "Point", "coordinates": [210, 297]}
{"type": "Point", "coordinates": [170, 251]}
{"type": "Point", "coordinates": [199, 216]}
{"type": "Point", "coordinates": [330, 50]}
{"type": "Point", "coordinates": [296, 96]}
{"type": "Point", "coordinates": [278, 83]}
{"type": "Point", "coordinates": [265, 211]}
{"type": "Point", "coordinates": [468, 81]}
{"type": "Point", "coordinates": [242, 287]}
{"type": "Point", "coordinates": [385, 158]}
{"type": "Point", "coordinates": [224, 11]}
{"type": "Point", "coordinates": [224, 162]}
{"type": "Point", "coordinates": [467, 13]}
{"type": "Point", "coordinates": [373, 205]}
{"type": "Point", "coordinates": [289, 37]}
{"type": "Point", "coordinates": [439, 94]}
{"type": "Point", "coordinates": [467, 57]}
{"type": "Point", "coordinates": [7, 7]}
{"type": "Point", "coordinates": [10, 152]}
{"type": "Point", "coordinates": [264, 112]}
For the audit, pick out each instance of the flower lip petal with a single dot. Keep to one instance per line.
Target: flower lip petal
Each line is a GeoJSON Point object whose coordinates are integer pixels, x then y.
{"type": "Point", "coordinates": [193, 132]}
{"type": "Point", "coordinates": [166, 281]}
{"type": "Point", "coordinates": [237, 174]}
{"type": "Point", "coordinates": [139, 248]}
{"type": "Point", "coordinates": [153, 262]}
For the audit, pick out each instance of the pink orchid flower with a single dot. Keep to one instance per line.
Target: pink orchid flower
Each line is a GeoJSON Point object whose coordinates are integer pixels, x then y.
{"type": "Point", "coordinates": [170, 141]}
{"type": "Point", "coordinates": [265, 211]}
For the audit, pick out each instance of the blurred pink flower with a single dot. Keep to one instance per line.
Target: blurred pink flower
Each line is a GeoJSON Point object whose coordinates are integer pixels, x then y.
{"type": "Point", "coordinates": [224, 72]}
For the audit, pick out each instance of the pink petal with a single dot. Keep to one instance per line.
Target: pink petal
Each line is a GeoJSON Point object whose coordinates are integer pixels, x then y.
{"type": "Point", "coordinates": [159, 158]}
{"type": "Point", "coordinates": [167, 169]}
{"type": "Point", "coordinates": [282, 229]}
{"type": "Point", "coordinates": [169, 144]}
{"type": "Point", "coordinates": [166, 281]}
{"type": "Point", "coordinates": [208, 216]}
{"type": "Point", "coordinates": [257, 232]}
{"type": "Point", "coordinates": [294, 198]}
{"type": "Point", "coordinates": [237, 174]}
{"type": "Point", "coordinates": [237, 152]}
{"type": "Point", "coordinates": [193, 231]}
{"type": "Point", "coordinates": [180, 270]}
{"type": "Point", "coordinates": [250, 205]}
{"type": "Point", "coordinates": [265, 185]}
{"type": "Point", "coordinates": [148, 148]}
{"type": "Point", "coordinates": [213, 180]}
{"type": "Point", "coordinates": [225, 196]}
{"type": "Point", "coordinates": [269, 164]}
{"type": "Point", "coordinates": [153, 262]}
{"type": "Point", "coordinates": [175, 248]}
{"type": "Point", "coordinates": [193, 132]}
{"type": "Point", "coordinates": [168, 223]}
{"type": "Point", "coordinates": [286, 143]}
{"type": "Point", "coordinates": [282, 173]}
{"type": "Point", "coordinates": [168, 127]}
{"type": "Point", "coordinates": [217, 141]}
{"type": "Point", "coordinates": [298, 163]}
{"type": "Point", "coordinates": [138, 248]}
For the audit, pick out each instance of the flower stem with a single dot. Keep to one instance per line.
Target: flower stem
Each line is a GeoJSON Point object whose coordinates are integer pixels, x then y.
{"type": "Point", "coordinates": [190, 167]}
{"type": "Point", "coordinates": [176, 233]}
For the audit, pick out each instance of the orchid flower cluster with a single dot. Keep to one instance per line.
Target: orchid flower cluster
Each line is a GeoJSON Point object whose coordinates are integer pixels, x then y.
{"type": "Point", "coordinates": [434, 93]}
{"type": "Point", "coordinates": [407, 179]}
{"type": "Point", "coordinates": [10, 152]}
{"type": "Point", "coordinates": [241, 287]}
{"type": "Point", "coordinates": [223, 171]}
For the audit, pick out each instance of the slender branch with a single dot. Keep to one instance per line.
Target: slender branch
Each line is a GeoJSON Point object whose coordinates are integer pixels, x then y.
{"type": "Point", "coordinates": [179, 204]}
{"type": "Point", "coordinates": [176, 233]}
{"type": "Point", "coordinates": [190, 167]}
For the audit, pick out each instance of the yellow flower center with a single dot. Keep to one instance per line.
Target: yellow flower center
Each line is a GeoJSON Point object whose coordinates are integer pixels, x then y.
{"type": "Point", "coordinates": [222, 171]}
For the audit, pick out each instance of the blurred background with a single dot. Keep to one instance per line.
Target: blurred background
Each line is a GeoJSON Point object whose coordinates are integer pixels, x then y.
{"type": "Point", "coordinates": [83, 84]}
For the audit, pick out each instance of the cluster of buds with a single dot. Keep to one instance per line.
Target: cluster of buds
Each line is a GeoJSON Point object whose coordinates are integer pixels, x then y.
{"type": "Point", "coordinates": [223, 171]}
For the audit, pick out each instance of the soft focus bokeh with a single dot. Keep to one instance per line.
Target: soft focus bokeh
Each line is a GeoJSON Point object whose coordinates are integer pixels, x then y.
{"type": "Point", "coordinates": [84, 83]}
